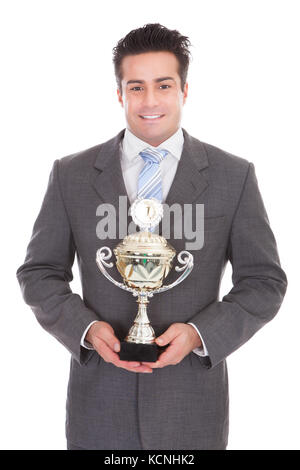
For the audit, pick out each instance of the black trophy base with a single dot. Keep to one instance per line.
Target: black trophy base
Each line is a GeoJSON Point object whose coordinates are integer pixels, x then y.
{"type": "Point", "coordinates": [139, 352]}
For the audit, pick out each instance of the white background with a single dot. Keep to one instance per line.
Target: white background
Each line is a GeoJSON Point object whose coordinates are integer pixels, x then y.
{"type": "Point", "coordinates": [58, 96]}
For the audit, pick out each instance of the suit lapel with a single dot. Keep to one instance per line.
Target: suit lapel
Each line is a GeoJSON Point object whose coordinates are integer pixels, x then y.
{"type": "Point", "coordinates": [109, 182]}
{"type": "Point", "coordinates": [189, 183]}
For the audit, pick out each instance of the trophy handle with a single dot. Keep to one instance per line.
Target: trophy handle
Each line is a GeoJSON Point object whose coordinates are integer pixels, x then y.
{"type": "Point", "coordinates": [101, 258]}
{"type": "Point", "coordinates": [188, 264]}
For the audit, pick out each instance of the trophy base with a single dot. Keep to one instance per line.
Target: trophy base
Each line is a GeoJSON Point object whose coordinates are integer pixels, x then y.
{"type": "Point", "coordinates": [139, 352]}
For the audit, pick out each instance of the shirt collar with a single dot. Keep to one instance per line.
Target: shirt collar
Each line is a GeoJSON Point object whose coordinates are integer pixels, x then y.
{"type": "Point", "coordinates": [132, 145]}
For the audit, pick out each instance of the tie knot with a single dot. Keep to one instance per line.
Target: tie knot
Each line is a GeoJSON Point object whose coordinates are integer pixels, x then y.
{"type": "Point", "coordinates": [153, 155]}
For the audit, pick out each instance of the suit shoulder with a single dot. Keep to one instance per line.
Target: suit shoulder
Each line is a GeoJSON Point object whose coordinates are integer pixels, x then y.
{"type": "Point", "coordinates": [79, 160]}
{"type": "Point", "coordinates": [84, 160]}
{"type": "Point", "coordinates": [221, 158]}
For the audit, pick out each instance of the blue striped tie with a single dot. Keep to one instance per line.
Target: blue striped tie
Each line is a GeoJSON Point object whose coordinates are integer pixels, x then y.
{"type": "Point", "coordinates": [149, 182]}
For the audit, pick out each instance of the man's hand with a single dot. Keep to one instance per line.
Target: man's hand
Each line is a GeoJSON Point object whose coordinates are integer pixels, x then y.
{"type": "Point", "coordinates": [102, 337]}
{"type": "Point", "coordinates": [182, 339]}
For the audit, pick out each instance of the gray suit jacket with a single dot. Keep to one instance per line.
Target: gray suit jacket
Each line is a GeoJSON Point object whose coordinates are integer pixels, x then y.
{"type": "Point", "coordinates": [177, 407]}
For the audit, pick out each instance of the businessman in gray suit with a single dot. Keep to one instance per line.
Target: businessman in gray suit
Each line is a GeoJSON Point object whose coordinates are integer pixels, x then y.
{"type": "Point", "coordinates": [181, 400]}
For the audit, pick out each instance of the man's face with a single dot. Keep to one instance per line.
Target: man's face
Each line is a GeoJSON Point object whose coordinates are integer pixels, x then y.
{"type": "Point", "coordinates": [152, 95]}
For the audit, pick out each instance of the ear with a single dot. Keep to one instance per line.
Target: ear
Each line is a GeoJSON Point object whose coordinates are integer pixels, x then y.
{"type": "Point", "coordinates": [185, 92]}
{"type": "Point", "coordinates": [120, 99]}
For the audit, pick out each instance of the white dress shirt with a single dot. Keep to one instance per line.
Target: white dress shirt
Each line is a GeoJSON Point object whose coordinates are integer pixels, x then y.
{"type": "Point", "coordinates": [132, 164]}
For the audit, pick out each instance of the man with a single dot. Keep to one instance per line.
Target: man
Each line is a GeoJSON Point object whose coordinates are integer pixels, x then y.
{"type": "Point", "coordinates": [180, 401]}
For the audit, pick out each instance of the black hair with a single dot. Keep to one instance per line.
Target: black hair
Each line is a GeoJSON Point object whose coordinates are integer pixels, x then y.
{"type": "Point", "coordinates": [149, 38]}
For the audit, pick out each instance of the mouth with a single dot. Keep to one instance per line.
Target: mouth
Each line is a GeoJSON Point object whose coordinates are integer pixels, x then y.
{"type": "Point", "coordinates": [151, 117]}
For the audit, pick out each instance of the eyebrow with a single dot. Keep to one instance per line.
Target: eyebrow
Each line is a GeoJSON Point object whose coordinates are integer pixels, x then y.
{"type": "Point", "coordinates": [156, 80]}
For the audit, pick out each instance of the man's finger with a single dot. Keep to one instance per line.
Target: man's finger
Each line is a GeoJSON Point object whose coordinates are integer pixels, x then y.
{"type": "Point", "coordinates": [132, 366]}
{"type": "Point", "coordinates": [110, 339]}
{"type": "Point", "coordinates": [167, 336]}
{"type": "Point", "coordinates": [110, 356]}
{"type": "Point", "coordinates": [140, 368]}
{"type": "Point", "coordinates": [171, 356]}
{"type": "Point", "coordinates": [105, 351]}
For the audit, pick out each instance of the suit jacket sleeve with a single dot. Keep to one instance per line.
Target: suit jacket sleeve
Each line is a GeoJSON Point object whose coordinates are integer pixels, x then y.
{"type": "Point", "coordinates": [259, 283]}
{"type": "Point", "coordinates": [47, 271]}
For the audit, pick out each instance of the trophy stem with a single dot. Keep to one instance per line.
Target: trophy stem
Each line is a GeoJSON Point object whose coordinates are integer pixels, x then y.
{"type": "Point", "coordinates": [141, 330]}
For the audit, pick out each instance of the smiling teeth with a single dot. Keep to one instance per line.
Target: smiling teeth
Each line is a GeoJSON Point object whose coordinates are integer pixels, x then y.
{"type": "Point", "coordinates": [152, 117]}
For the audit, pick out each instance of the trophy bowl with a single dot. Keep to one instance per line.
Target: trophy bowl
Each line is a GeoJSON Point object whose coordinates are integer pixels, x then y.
{"type": "Point", "coordinates": [144, 260]}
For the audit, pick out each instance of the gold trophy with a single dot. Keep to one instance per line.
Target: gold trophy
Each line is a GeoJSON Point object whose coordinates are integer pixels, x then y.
{"type": "Point", "coordinates": [144, 259]}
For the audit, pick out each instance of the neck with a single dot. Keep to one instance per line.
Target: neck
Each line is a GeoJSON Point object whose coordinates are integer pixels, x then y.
{"type": "Point", "coordinates": [155, 142]}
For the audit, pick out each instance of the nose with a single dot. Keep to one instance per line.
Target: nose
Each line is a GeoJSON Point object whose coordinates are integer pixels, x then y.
{"type": "Point", "coordinates": [150, 99]}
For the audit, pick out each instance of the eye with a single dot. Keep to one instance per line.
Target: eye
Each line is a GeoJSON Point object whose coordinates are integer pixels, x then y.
{"type": "Point", "coordinates": [169, 86]}
{"type": "Point", "coordinates": [136, 88]}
